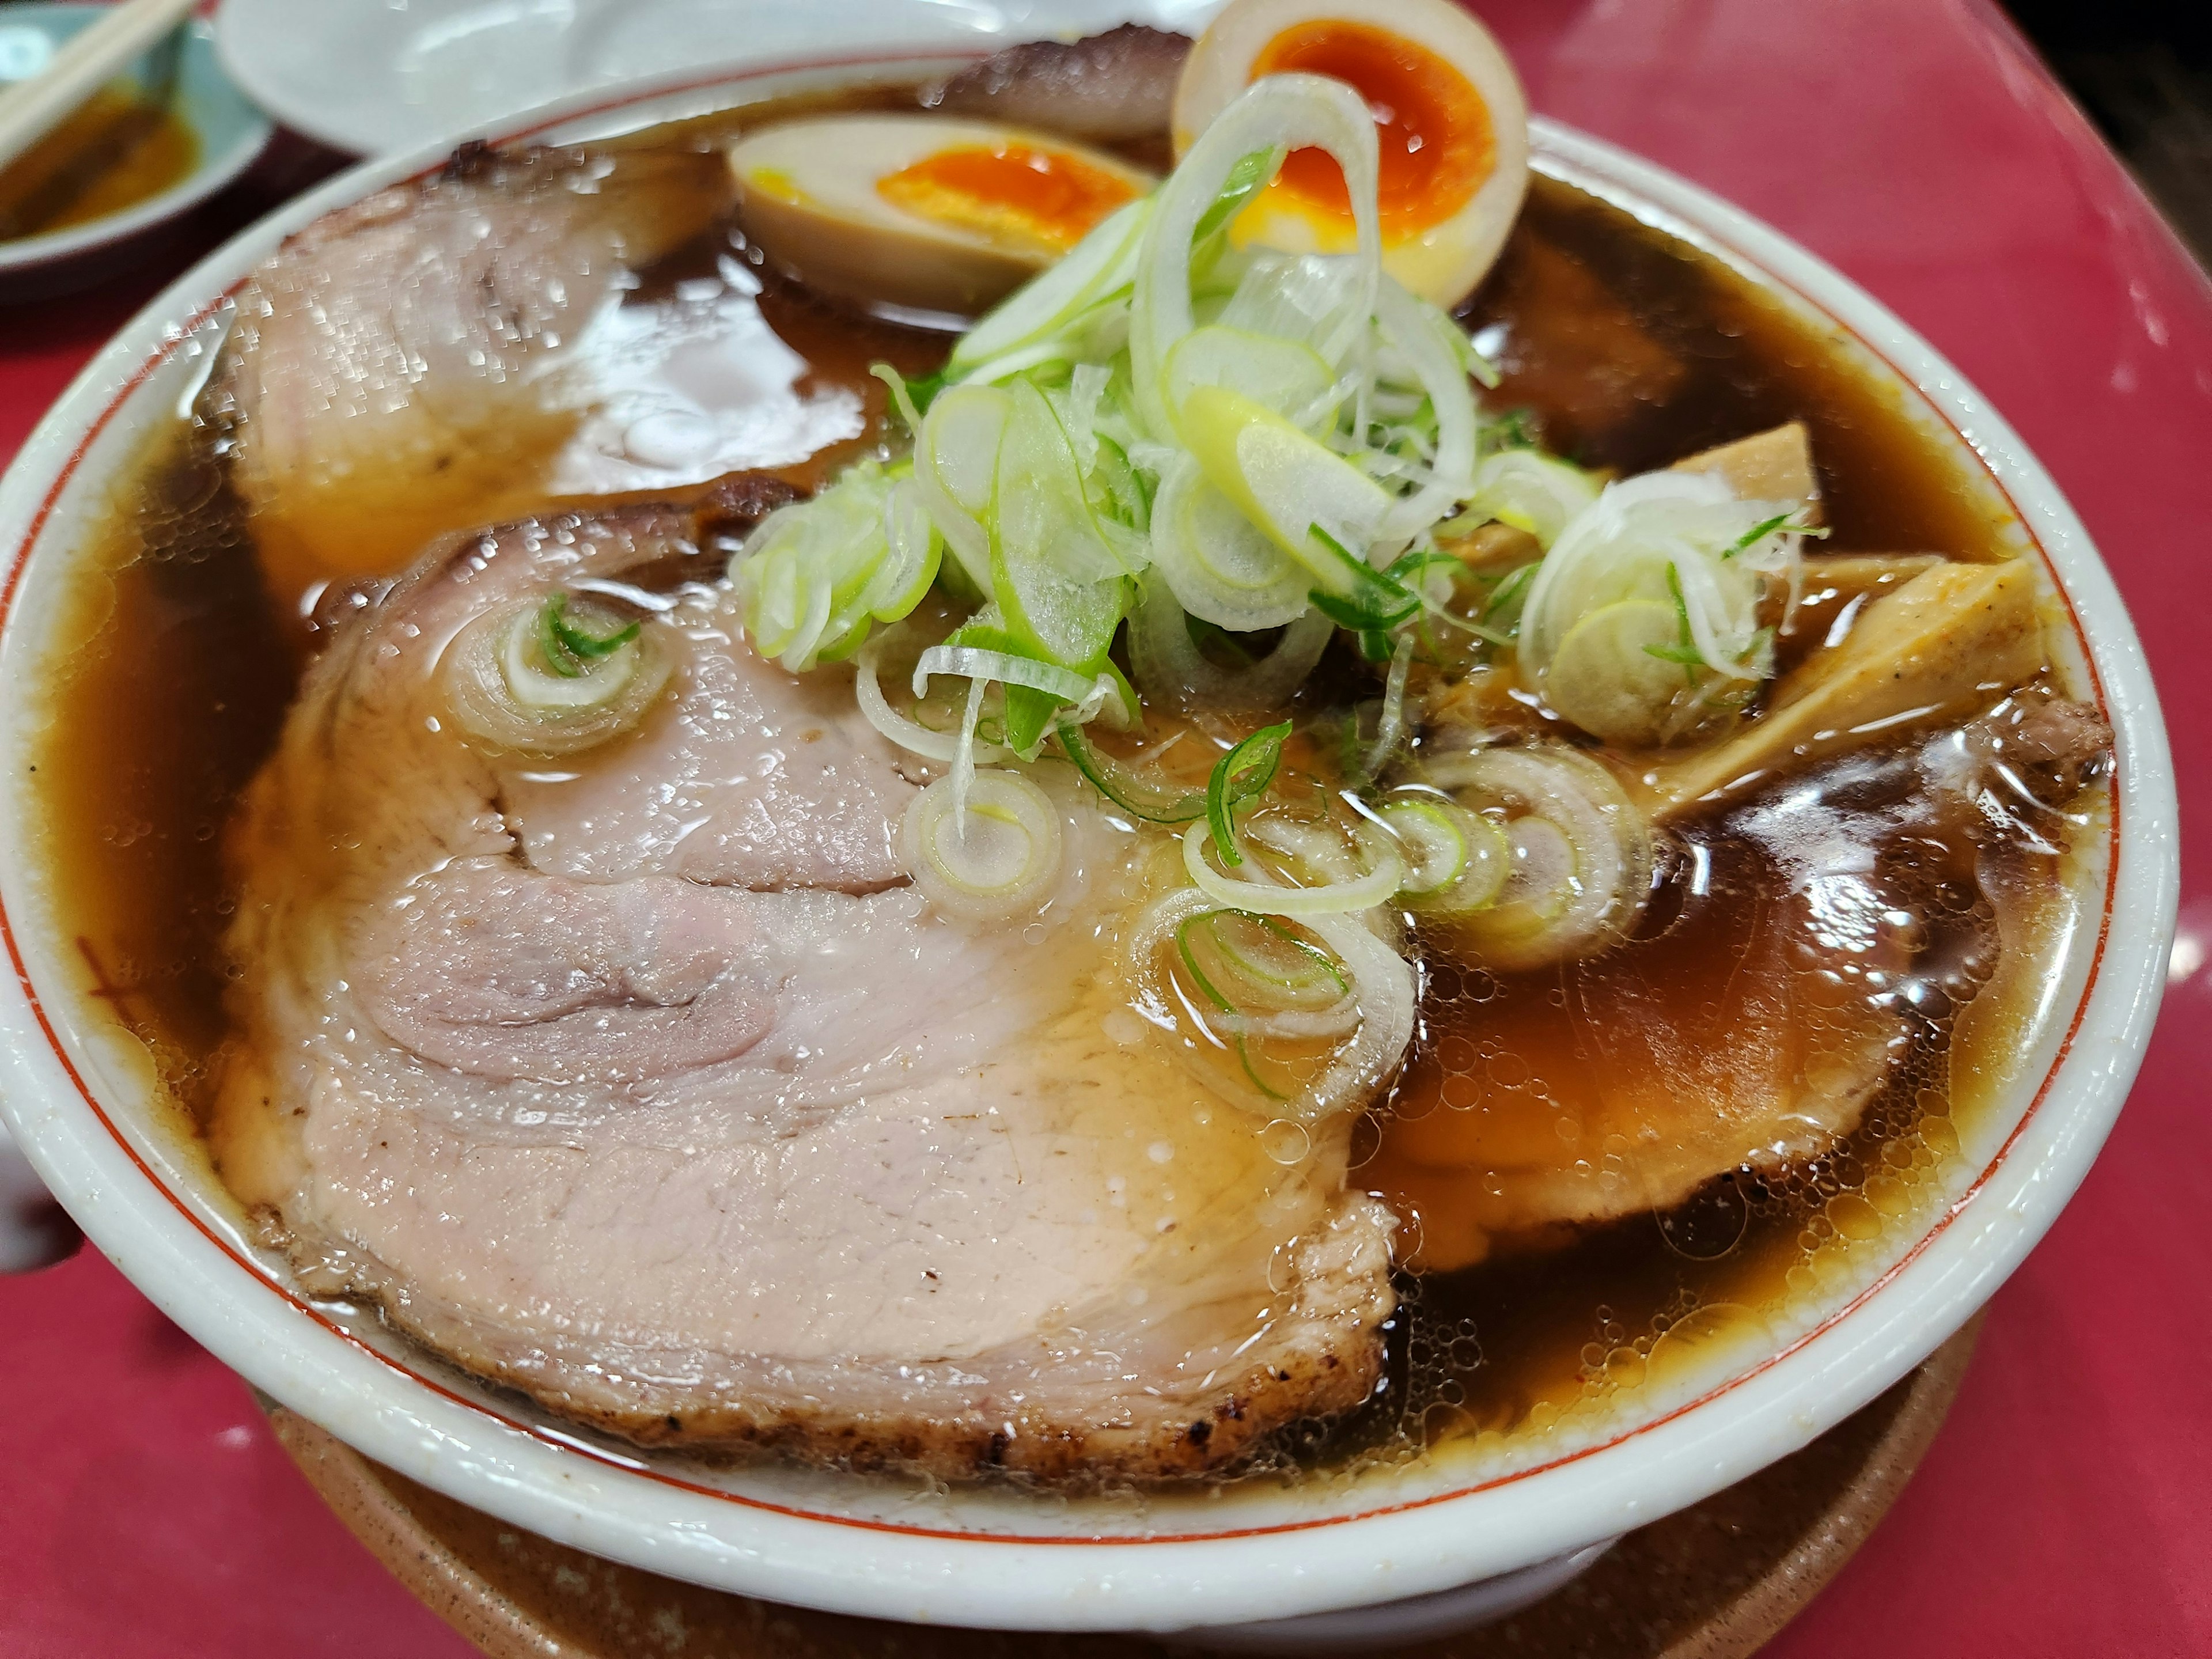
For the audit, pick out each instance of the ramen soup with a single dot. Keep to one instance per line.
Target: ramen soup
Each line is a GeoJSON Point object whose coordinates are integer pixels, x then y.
{"type": "Point", "coordinates": [1104, 772]}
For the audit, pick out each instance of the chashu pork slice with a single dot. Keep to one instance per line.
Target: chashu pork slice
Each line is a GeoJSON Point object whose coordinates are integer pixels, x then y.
{"type": "Point", "coordinates": [641, 1081]}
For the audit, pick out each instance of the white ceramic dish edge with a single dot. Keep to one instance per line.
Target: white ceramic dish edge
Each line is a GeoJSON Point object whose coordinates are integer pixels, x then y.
{"type": "Point", "coordinates": [354, 75]}
{"type": "Point", "coordinates": [1157, 1585]}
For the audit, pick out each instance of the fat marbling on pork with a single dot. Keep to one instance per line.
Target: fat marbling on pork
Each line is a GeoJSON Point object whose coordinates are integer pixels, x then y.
{"type": "Point", "coordinates": [644, 1083]}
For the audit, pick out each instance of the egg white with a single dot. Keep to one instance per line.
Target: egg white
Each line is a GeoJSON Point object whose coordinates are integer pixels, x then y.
{"type": "Point", "coordinates": [807, 198]}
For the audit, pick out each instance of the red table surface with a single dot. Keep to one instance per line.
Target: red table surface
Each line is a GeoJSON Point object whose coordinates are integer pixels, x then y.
{"type": "Point", "coordinates": [2067, 1510]}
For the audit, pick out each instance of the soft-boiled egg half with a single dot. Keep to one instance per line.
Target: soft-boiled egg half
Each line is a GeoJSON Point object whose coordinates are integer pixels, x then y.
{"type": "Point", "coordinates": [1450, 115]}
{"type": "Point", "coordinates": [921, 213]}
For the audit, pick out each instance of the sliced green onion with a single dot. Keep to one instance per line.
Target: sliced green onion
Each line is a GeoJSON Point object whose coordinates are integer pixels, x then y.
{"type": "Point", "coordinates": [969, 662]}
{"type": "Point", "coordinates": [904, 731]}
{"type": "Point", "coordinates": [1275, 899]}
{"type": "Point", "coordinates": [1315, 427]}
{"type": "Point", "coordinates": [1426, 336]}
{"type": "Point", "coordinates": [1361, 598]}
{"type": "Point", "coordinates": [1240, 775]}
{"type": "Point", "coordinates": [1580, 866]}
{"type": "Point", "coordinates": [815, 577]}
{"type": "Point", "coordinates": [1384, 984]}
{"type": "Point", "coordinates": [1252, 173]}
{"type": "Point", "coordinates": [1501, 610]}
{"type": "Point", "coordinates": [1531, 491]}
{"type": "Point", "coordinates": [1312, 302]}
{"type": "Point", "coordinates": [1270, 963]}
{"type": "Point", "coordinates": [1315, 852]}
{"type": "Point", "coordinates": [1228, 1011]}
{"type": "Point", "coordinates": [511, 683]}
{"type": "Point", "coordinates": [1103, 263]}
{"type": "Point", "coordinates": [984, 652]}
{"type": "Point", "coordinates": [569, 647]}
{"type": "Point", "coordinates": [1390, 726]}
{"type": "Point", "coordinates": [1759, 532]}
{"type": "Point", "coordinates": [1667, 569]}
{"type": "Point", "coordinates": [1785, 523]}
{"type": "Point", "coordinates": [544, 679]}
{"type": "Point", "coordinates": [1220, 568]}
{"type": "Point", "coordinates": [995, 855]}
{"type": "Point", "coordinates": [1116, 488]}
{"type": "Point", "coordinates": [910, 395]}
{"type": "Point", "coordinates": [1380, 992]}
{"type": "Point", "coordinates": [1127, 791]}
{"type": "Point", "coordinates": [1056, 579]}
{"type": "Point", "coordinates": [1617, 673]}
{"type": "Point", "coordinates": [1456, 860]}
{"type": "Point", "coordinates": [1177, 674]}
{"type": "Point", "coordinates": [1285, 482]}
{"type": "Point", "coordinates": [1302, 991]}
{"type": "Point", "coordinates": [1276, 112]}
{"type": "Point", "coordinates": [1212, 636]}
{"type": "Point", "coordinates": [1283, 376]}
{"type": "Point", "coordinates": [956, 464]}
{"type": "Point", "coordinates": [1514, 429]}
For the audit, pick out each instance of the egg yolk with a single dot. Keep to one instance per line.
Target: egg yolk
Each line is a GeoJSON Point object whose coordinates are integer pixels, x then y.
{"type": "Point", "coordinates": [1433, 127]}
{"type": "Point", "coordinates": [1038, 201]}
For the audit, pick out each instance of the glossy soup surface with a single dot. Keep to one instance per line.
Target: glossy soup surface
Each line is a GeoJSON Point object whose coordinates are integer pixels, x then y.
{"type": "Point", "coordinates": [1630, 352]}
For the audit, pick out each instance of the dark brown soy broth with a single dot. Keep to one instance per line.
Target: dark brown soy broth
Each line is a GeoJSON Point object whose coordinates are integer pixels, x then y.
{"type": "Point", "coordinates": [1634, 350]}
{"type": "Point", "coordinates": [1629, 350]}
{"type": "Point", "coordinates": [1556, 1320]}
{"type": "Point", "coordinates": [167, 683]}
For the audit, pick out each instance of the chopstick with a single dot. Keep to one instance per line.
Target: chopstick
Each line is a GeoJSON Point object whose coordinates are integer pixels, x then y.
{"type": "Point", "coordinates": [93, 56]}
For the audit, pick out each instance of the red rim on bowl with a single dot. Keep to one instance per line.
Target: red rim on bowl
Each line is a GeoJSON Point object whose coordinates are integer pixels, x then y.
{"type": "Point", "coordinates": [1590, 166]}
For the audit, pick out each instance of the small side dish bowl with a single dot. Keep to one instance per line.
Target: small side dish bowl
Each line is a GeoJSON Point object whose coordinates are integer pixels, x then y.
{"type": "Point", "coordinates": [1407, 1553]}
{"type": "Point", "coordinates": [228, 134]}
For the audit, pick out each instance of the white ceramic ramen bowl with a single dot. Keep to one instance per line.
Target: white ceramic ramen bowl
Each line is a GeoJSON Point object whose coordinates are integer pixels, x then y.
{"type": "Point", "coordinates": [79, 1096]}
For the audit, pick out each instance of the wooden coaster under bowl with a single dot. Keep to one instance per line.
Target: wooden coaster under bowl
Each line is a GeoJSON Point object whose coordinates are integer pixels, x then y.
{"type": "Point", "coordinates": [1717, 1581]}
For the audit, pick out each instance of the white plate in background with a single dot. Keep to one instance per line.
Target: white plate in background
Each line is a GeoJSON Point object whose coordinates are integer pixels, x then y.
{"type": "Point", "coordinates": [229, 130]}
{"type": "Point", "coordinates": [373, 76]}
